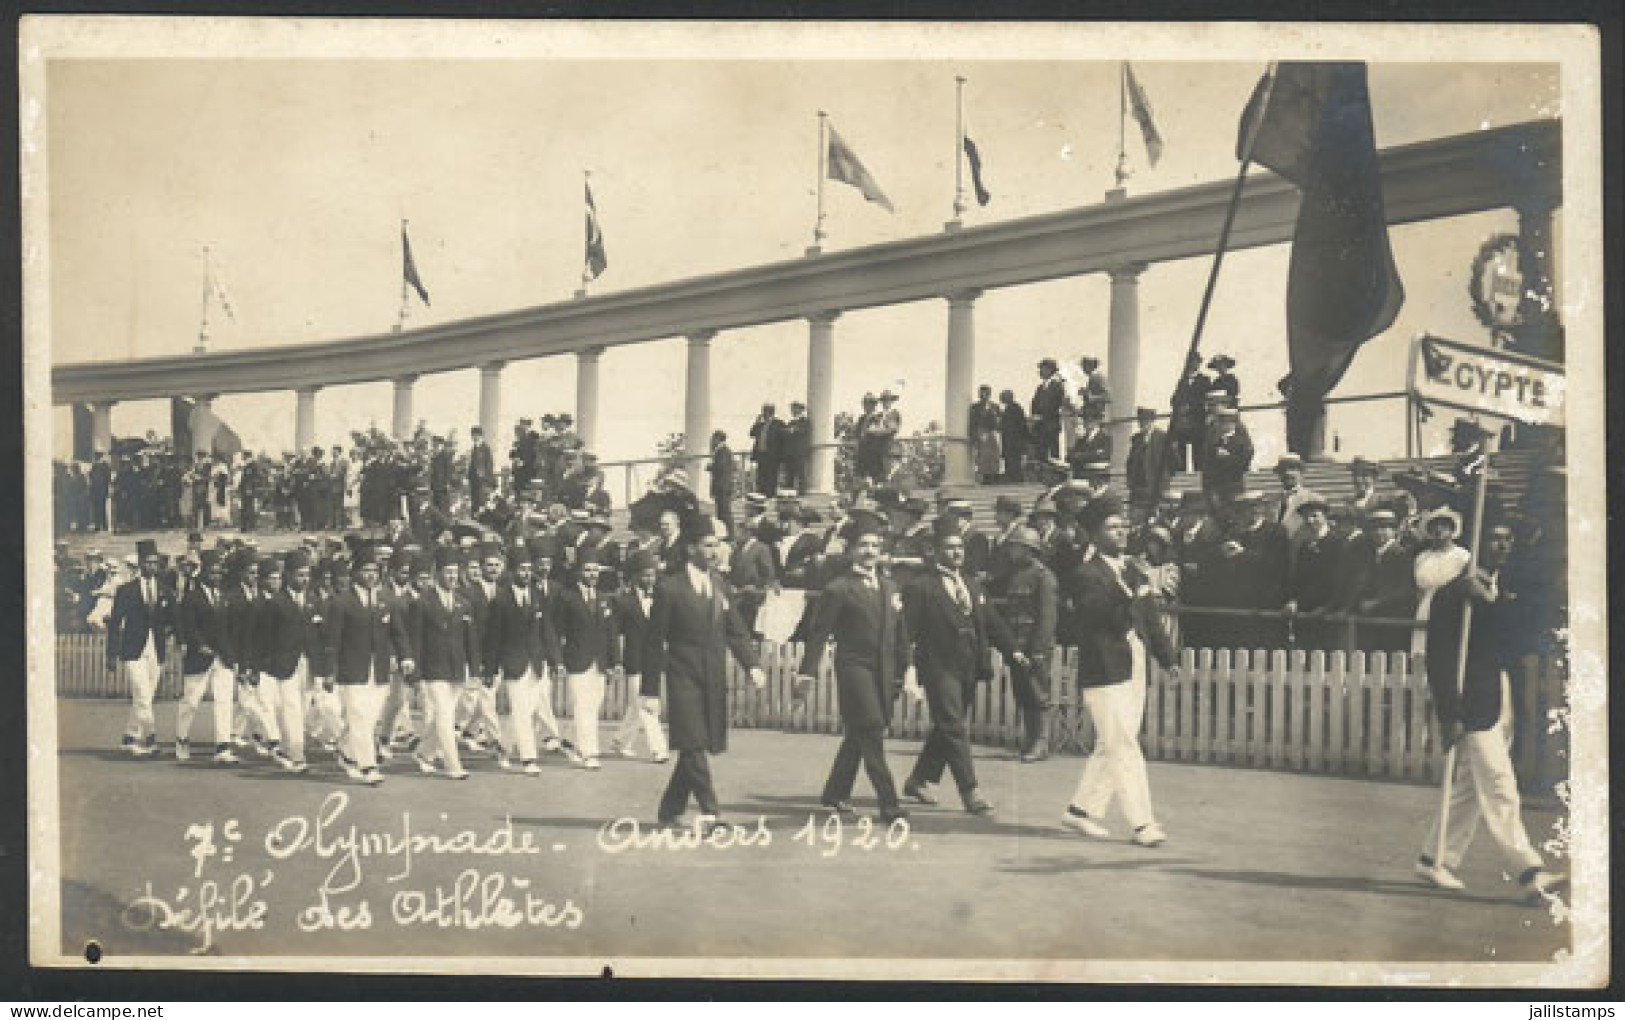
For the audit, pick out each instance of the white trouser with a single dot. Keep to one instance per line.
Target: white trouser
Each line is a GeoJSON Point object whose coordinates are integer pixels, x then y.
{"type": "Point", "coordinates": [638, 718]}
{"type": "Point", "coordinates": [586, 699]}
{"type": "Point", "coordinates": [1116, 766]}
{"type": "Point", "coordinates": [324, 713]}
{"type": "Point", "coordinates": [218, 682]}
{"type": "Point", "coordinates": [398, 700]}
{"type": "Point", "coordinates": [286, 698]}
{"type": "Point", "coordinates": [482, 708]}
{"type": "Point", "coordinates": [361, 703]}
{"type": "Point", "coordinates": [438, 729]}
{"type": "Point", "coordinates": [142, 677]}
{"type": "Point", "coordinates": [519, 725]}
{"type": "Point", "coordinates": [256, 709]}
{"type": "Point", "coordinates": [1485, 789]}
{"type": "Point", "coordinates": [545, 718]}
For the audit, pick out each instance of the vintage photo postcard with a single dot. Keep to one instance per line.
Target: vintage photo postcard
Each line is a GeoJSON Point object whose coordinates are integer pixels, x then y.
{"type": "Point", "coordinates": [1057, 502]}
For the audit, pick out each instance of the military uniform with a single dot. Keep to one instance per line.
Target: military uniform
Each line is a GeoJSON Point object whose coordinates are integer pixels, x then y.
{"type": "Point", "coordinates": [1030, 599]}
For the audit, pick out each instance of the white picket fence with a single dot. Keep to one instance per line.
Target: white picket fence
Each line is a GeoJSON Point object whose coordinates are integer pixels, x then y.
{"type": "Point", "coordinates": [1360, 714]}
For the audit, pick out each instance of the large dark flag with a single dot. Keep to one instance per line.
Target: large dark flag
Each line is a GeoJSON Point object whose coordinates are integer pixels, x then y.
{"type": "Point", "coordinates": [974, 157]}
{"type": "Point", "coordinates": [597, 261]}
{"type": "Point", "coordinates": [409, 268]}
{"type": "Point", "coordinates": [1312, 125]}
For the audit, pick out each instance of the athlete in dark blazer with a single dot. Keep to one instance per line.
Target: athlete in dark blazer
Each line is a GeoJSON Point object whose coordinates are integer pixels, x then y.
{"type": "Point", "coordinates": [863, 612]}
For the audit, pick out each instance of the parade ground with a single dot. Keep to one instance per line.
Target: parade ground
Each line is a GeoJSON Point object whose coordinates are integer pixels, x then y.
{"type": "Point", "coordinates": [165, 858]}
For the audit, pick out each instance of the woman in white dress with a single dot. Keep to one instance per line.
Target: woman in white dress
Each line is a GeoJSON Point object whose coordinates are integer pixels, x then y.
{"type": "Point", "coordinates": [1440, 562]}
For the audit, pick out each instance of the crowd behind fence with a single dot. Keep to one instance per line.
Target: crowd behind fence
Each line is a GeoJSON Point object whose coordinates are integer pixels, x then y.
{"type": "Point", "coordinates": [1362, 715]}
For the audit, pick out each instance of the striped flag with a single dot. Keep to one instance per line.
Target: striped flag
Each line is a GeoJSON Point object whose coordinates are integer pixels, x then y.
{"type": "Point", "coordinates": [597, 261]}
{"type": "Point", "coordinates": [409, 268]}
{"type": "Point", "coordinates": [1139, 108]}
{"type": "Point", "coordinates": [218, 289]}
{"type": "Point", "coordinates": [843, 165]}
{"type": "Point", "coordinates": [974, 158]}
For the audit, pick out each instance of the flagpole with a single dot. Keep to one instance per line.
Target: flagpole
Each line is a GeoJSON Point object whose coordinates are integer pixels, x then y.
{"type": "Point", "coordinates": [400, 322]}
{"type": "Point", "coordinates": [1122, 119]}
{"type": "Point", "coordinates": [959, 149]}
{"type": "Point", "coordinates": [586, 257]}
{"type": "Point", "coordinates": [823, 171]}
{"type": "Point", "coordinates": [1224, 231]}
{"type": "Point", "coordinates": [203, 318]}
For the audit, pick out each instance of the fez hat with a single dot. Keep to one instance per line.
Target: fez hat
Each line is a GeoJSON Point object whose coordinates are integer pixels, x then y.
{"type": "Point", "coordinates": [1144, 413]}
{"type": "Point", "coordinates": [641, 560]}
{"type": "Point", "coordinates": [1361, 466]}
{"type": "Point", "coordinates": [810, 516]}
{"type": "Point", "coordinates": [145, 547]}
{"type": "Point", "coordinates": [489, 550]}
{"type": "Point", "coordinates": [295, 559]}
{"type": "Point", "coordinates": [445, 556]}
{"type": "Point", "coordinates": [1007, 504]}
{"type": "Point", "coordinates": [544, 547]}
{"type": "Point", "coordinates": [860, 522]}
{"type": "Point", "coordinates": [518, 556]}
{"type": "Point", "coordinates": [270, 565]}
{"type": "Point", "coordinates": [1095, 512]}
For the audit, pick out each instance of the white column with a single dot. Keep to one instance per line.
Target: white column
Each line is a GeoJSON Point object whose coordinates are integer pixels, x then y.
{"type": "Point", "coordinates": [101, 426]}
{"type": "Point", "coordinates": [821, 401]}
{"type": "Point", "coordinates": [587, 397]}
{"type": "Point", "coordinates": [697, 407]}
{"type": "Point", "coordinates": [401, 424]}
{"type": "Point", "coordinates": [304, 418]}
{"type": "Point", "coordinates": [959, 384]}
{"type": "Point", "coordinates": [204, 426]}
{"type": "Point", "coordinates": [1123, 358]}
{"type": "Point", "coordinates": [490, 400]}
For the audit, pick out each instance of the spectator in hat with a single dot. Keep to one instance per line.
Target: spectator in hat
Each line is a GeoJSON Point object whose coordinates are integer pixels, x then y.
{"type": "Point", "coordinates": [1187, 424]}
{"type": "Point", "coordinates": [1093, 395]}
{"type": "Point", "coordinates": [201, 630]}
{"type": "Point", "coordinates": [446, 652]}
{"type": "Point", "coordinates": [1150, 464]}
{"type": "Point", "coordinates": [908, 544]}
{"type": "Point", "coordinates": [984, 426]}
{"type": "Point", "coordinates": [1048, 401]}
{"type": "Point", "coordinates": [754, 572]}
{"type": "Point", "coordinates": [1294, 494]}
{"type": "Point", "coordinates": [481, 470]}
{"type": "Point", "coordinates": [953, 627]}
{"type": "Point", "coordinates": [693, 625]}
{"type": "Point", "coordinates": [798, 549]}
{"type": "Point", "coordinates": [1030, 595]}
{"type": "Point", "coordinates": [1115, 633]}
{"type": "Point", "coordinates": [1380, 581]}
{"type": "Point", "coordinates": [1007, 518]}
{"type": "Point", "coordinates": [138, 630]}
{"type": "Point", "coordinates": [885, 428]}
{"type": "Point", "coordinates": [1364, 473]}
{"type": "Point", "coordinates": [862, 611]}
{"type": "Point", "coordinates": [869, 459]}
{"type": "Point", "coordinates": [1251, 571]}
{"type": "Point", "coordinates": [1014, 436]}
{"type": "Point", "coordinates": [1092, 444]}
{"type": "Point", "coordinates": [1441, 560]}
{"type": "Point", "coordinates": [766, 445]}
{"type": "Point", "coordinates": [723, 470]}
{"type": "Point", "coordinates": [1224, 379]}
{"type": "Point", "coordinates": [633, 608]}
{"type": "Point", "coordinates": [1318, 579]}
{"type": "Point", "coordinates": [959, 514]}
{"type": "Point", "coordinates": [796, 447]}
{"type": "Point", "coordinates": [1227, 458]}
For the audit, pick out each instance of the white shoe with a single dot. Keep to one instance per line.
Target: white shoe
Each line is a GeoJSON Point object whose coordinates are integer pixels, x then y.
{"type": "Point", "coordinates": [294, 765]}
{"type": "Point", "coordinates": [552, 745]}
{"type": "Point", "coordinates": [1150, 834]}
{"type": "Point", "coordinates": [425, 766]}
{"type": "Point", "coordinates": [183, 750]}
{"type": "Point", "coordinates": [1438, 876]}
{"type": "Point", "coordinates": [1084, 824]}
{"type": "Point", "coordinates": [625, 752]}
{"type": "Point", "coordinates": [225, 756]}
{"type": "Point", "coordinates": [1543, 887]}
{"type": "Point", "coordinates": [532, 769]}
{"type": "Point", "coordinates": [505, 764]}
{"type": "Point", "coordinates": [372, 777]}
{"type": "Point", "coordinates": [457, 774]}
{"type": "Point", "coordinates": [661, 759]}
{"type": "Point", "coordinates": [590, 764]}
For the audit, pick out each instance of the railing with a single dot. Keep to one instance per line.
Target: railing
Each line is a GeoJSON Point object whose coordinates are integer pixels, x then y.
{"type": "Point", "coordinates": [1359, 715]}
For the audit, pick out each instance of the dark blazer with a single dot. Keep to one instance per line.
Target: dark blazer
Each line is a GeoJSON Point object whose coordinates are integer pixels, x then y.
{"type": "Point", "coordinates": [722, 468]}
{"type": "Point", "coordinates": [1013, 423]}
{"type": "Point", "coordinates": [442, 637]}
{"type": "Point", "coordinates": [239, 612]}
{"type": "Point", "coordinates": [479, 606]}
{"type": "Point", "coordinates": [132, 620]}
{"type": "Point", "coordinates": [796, 439]}
{"type": "Point", "coordinates": [481, 470]}
{"type": "Point", "coordinates": [1103, 615]}
{"type": "Point", "coordinates": [951, 644]}
{"type": "Point", "coordinates": [1492, 645]}
{"type": "Point", "coordinates": [586, 634]}
{"type": "Point", "coordinates": [686, 644]}
{"type": "Point", "coordinates": [281, 632]}
{"type": "Point", "coordinates": [632, 623]}
{"type": "Point", "coordinates": [767, 437]}
{"type": "Point", "coordinates": [1149, 466]}
{"type": "Point", "coordinates": [360, 637]}
{"type": "Point", "coordinates": [201, 628]}
{"type": "Point", "coordinates": [518, 638]}
{"type": "Point", "coordinates": [1049, 398]}
{"type": "Point", "coordinates": [800, 568]}
{"type": "Point", "coordinates": [1319, 572]}
{"type": "Point", "coordinates": [1227, 459]}
{"type": "Point", "coordinates": [1089, 449]}
{"type": "Point", "coordinates": [871, 646]}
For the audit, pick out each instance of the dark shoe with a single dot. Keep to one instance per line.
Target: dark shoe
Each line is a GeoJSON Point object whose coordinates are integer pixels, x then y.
{"type": "Point", "coordinates": [1038, 752]}
{"type": "Point", "coordinates": [977, 805]}
{"type": "Point", "coordinates": [843, 808]}
{"type": "Point", "coordinates": [920, 792]}
{"type": "Point", "coordinates": [892, 815]}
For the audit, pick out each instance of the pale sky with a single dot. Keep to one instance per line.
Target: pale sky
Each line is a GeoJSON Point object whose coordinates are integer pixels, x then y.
{"type": "Point", "coordinates": [297, 173]}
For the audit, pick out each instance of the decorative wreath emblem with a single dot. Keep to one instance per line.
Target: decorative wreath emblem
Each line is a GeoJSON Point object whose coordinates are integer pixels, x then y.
{"type": "Point", "coordinates": [1496, 283]}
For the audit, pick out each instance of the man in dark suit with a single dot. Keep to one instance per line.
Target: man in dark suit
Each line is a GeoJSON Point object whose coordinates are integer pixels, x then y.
{"type": "Point", "coordinates": [796, 447]}
{"type": "Point", "coordinates": [1476, 720]}
{"type": "Point", "coordinates": [1031, 608]}
{"type": "Point", "coordinates": [479, 696]}
{"type": "Point", "coordinates": [520, 650]}
{"type": "Point", "coordinates": [205, 667]}
{"type": "Point", "coordinates": [632, 612]}
{"type": "Point", "coordinates": [101, 482]}
{"type": "Point", "coordinates": [753, 571]}
{"type": "Point", "coordinates": [722, 469]}
{"type": "Point", "coordinates": [1048, 399]}
{"type": "Point", "coordinates": [366, 627]}
{"type": "Point", "coordinates": [1226, 459]}
{"type": "Point", "coordinates": [482, 474]}
{"type": "Point", "coordinates": [1381, 581]}
{"type": "Point", "coordinates": [1317, 577]}
{"type": "Point", "coordinates": [693, 625]}
{"type": "Point", "coordinates": [585, 622]}
{"type": "Point", "coordinates": [1013, 435]}
{"type": "Point", "coordinates": [1092, 444]}
{"type": "Point", "coordinates": [440, 473]}
{"type": "Point", "coordinates": [863, 612]}
{"type": "Point", "coordinates": [138, 629]}
{"type": "Point", "coordinates": [766, 435]}
{"type": "Point", "coordinates": [444, 649]}
{"type": "Point", "coordinates": [1150, 464]}
{"type": "Point", "coordinates": [952, 625]}
{"type": "Point", "coordinates": [959, 514]}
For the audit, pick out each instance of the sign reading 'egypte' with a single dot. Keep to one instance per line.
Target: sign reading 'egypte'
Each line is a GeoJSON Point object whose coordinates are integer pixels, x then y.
{"type": "Point", "coordinates": [1488, 381]}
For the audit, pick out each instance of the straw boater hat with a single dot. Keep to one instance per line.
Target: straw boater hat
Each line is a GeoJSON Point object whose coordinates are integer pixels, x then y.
{"type": "Point", "coordinates": [1288, 460]}
{"type": "Point", "coordinates": [1442, 513]}
{"type": "Point", "coordinates": [1220, 362]}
